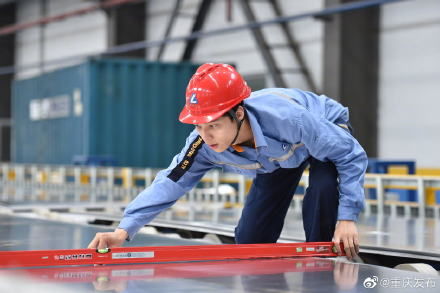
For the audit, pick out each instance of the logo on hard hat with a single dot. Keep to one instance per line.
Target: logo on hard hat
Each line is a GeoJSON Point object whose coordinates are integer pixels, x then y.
{"type": "Point", "coordinates": [193, 99]}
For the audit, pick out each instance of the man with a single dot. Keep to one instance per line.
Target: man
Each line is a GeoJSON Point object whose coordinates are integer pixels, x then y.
{"type": "Point", "coordinates": [272, 135]}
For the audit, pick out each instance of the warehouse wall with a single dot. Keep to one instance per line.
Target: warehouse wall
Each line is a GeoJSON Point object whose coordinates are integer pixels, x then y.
{"type": "Point", "coordinates": [240, 47]}
{"type": "Point", "coordinates": [409, 56]}
{"type": "Point", "coordinates": [78, 35]}
{"type": "Point", "coordinates": [409, 87]}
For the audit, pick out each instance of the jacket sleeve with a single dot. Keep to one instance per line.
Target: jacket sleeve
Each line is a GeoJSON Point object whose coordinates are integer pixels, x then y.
{"type": "Point", "coordinates": [327, 142]}
{"type": "Point", "coordinates": [185, 170]}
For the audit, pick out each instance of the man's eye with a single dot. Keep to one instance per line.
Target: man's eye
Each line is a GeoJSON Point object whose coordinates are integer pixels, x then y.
{"type": "Point", "coordinates": [213, 125]}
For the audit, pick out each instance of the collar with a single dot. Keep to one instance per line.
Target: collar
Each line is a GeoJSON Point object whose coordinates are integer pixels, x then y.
{"type": "Point", "coordinates": [238, 148]}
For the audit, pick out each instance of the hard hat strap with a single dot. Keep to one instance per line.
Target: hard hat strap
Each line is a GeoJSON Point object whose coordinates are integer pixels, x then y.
{"type": "Point", "coordinates": [239, 122]}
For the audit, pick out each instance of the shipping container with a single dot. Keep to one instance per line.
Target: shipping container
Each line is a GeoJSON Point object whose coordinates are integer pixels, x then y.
{"type": "Point", "coordinates": [122, 109]}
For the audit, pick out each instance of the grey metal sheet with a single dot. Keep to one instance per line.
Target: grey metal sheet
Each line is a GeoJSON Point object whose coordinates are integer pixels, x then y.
{"type": "Point", "coordinates": [411, 235]}
{"type": "Point", "coordinates": [406, 234]}
{"type": "Point", "coordinates": [21, 233]}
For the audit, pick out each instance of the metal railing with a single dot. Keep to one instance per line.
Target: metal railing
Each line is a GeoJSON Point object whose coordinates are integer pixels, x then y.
{"type": "Point", "coordinates": [72, 186]}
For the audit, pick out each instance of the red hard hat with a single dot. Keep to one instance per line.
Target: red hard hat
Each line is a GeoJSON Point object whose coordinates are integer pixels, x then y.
{"type": "Point", "coordinates": [212, 91]}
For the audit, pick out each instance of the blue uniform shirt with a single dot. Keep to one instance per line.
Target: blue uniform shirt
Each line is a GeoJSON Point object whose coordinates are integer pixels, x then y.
{"type": "Point", "coordinates": [288, 125]}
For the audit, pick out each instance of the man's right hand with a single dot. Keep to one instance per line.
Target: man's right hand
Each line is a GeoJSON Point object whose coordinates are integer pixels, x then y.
{"type": "Point", "coordinates": [108, 239]}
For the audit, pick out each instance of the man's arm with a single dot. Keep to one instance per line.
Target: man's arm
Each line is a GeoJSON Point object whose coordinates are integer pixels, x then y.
{"type": "Point", "coordinates": [186, 169]}
{"type": "Point", "coordinates": [328, 142]}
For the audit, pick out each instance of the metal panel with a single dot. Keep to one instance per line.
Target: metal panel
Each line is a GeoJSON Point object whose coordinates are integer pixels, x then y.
{"type": "Point", "coordinates": [20, 233]}
{"type": "Point", "coordinates": [129, 112]}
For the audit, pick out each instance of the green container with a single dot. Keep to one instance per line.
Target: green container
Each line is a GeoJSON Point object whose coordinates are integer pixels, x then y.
{"type": "Point", "coordinates": [122, 109]}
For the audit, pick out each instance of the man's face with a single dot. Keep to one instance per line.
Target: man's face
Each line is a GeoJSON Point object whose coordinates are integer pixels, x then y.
{"type": "Point", "coordinates": [218, 134]}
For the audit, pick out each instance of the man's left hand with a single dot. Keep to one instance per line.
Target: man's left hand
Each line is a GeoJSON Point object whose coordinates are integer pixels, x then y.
{"type": "Point", "coordinates": [346, 232]}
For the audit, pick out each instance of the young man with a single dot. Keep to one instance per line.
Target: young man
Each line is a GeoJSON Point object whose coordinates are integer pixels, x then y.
{"type": "Point", "coordinates": [272, 135]}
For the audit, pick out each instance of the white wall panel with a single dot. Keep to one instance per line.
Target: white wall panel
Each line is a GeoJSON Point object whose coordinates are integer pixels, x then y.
{"type": "Point", "coordinates": [159, 13]}
{"type": "Point", "coordinates": [78, 35]}
{"type": "Point", "coordinates": [409, 99]}
{"type": "Point", "coordinates": [240, 47]}
{"type": "Point", "coordinates": [27, 41]}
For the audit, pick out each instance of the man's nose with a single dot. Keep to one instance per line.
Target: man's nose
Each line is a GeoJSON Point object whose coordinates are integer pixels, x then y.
{"type": "Point", "coordinates": [205, 134]}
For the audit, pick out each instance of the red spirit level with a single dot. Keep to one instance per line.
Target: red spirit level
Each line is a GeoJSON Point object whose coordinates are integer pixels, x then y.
{"type": "Point", "coordinates": [136, 255]}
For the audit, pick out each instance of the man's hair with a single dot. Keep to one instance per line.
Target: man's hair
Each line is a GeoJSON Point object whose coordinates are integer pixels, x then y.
{"type": "Point", "coordinates": [234, 109]}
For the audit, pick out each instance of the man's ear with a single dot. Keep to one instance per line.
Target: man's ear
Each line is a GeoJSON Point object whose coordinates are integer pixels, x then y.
{"type": "Point", "coordinates": [240, 113]}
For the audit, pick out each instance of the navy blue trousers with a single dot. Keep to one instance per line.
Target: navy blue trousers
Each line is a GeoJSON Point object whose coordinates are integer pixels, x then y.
{"type": "Point", "coordinates": [269, 199]}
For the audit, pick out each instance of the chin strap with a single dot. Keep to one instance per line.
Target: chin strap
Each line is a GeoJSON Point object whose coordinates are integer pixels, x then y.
{"type": "Point", "coordinates": [239, 122]}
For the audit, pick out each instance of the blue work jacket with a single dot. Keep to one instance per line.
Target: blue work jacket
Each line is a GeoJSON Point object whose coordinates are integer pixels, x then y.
{"type": "Point", "coordinates": [289, 126]}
